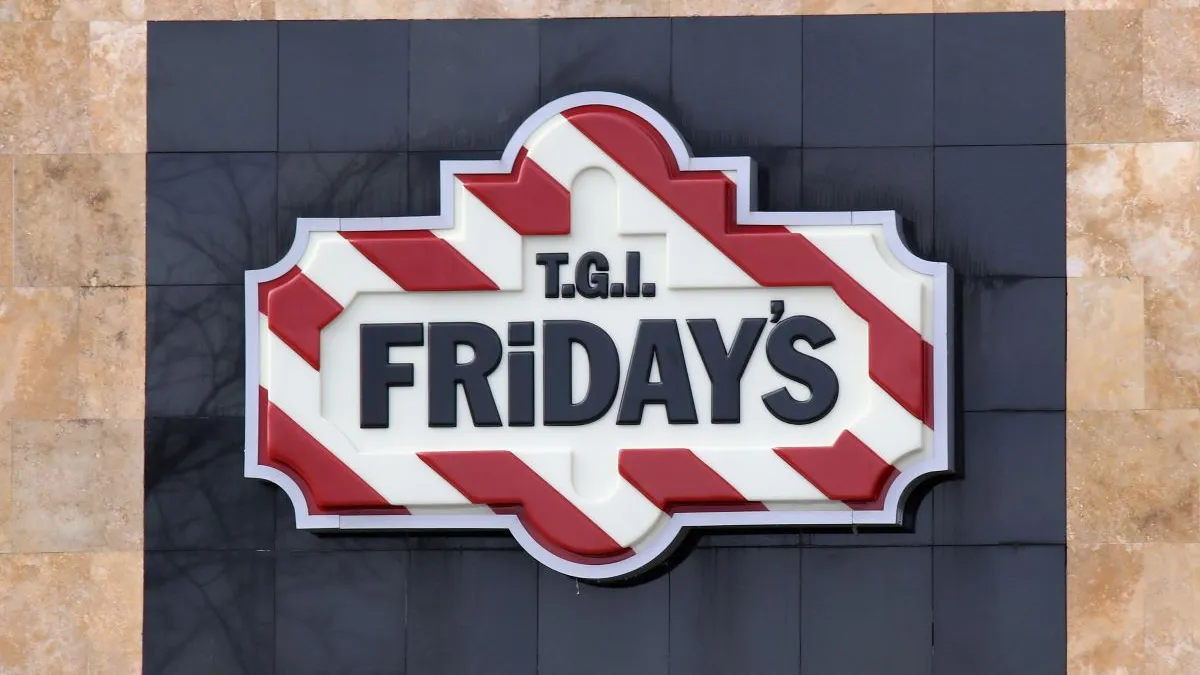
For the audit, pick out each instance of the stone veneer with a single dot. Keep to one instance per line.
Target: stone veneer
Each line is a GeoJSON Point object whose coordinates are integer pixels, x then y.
{"type": "Point", "coordinates": [72, 307]}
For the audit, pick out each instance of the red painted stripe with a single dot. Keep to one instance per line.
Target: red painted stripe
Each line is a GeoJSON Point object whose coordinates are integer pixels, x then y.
{"type": "Point", "coordinates": [501, 480]}
{"type": "Point", "coordinates": [418, 260]}
{"type": "Point", "coordinates": [929, 390]}
{"type": "Point", "coordinates": [771, 255]}
{"type": "Point", "coordinates": [297, 309]}
{"type": "Point", "coordinates": [848, 470]}
{"type": "Point", "coordinates": [675, 478]}
{"type": "Point", "coordinates": [286, 446]}
{"type": "Point", "coordinates": [528, 198]}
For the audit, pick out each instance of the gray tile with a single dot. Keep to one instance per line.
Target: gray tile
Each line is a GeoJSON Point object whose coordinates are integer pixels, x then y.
{"type": "Point", "coordinates": [625, 56]}
{"type": "Point", "coordinates": [868, 80]}
{"type": "Point", "coordinates": [341, 612]}
{"type": "Point", "coordinates": [343, 86]}
{"type": "Point", "coordinates": [471, 83]}
{"type": "Point", "coordinates": [1000, 610]}
{"type": "Point", "coordinates": [1013, 482]}
{"type": "Point", "coordinates": [195, 351]}
{"type": "Point", "coordinates": [197, 497]}
{"type": "Point", "coordinates": [338, 185]}
{"type": "Point", "coordinates": [208, 612]}
{"type": "Point", "coordinates": [209, 216]}
{"type": "Point", "coordinates": [866, 610]}
{"type": "Point", "coordinates": [870, 179]}
{"type": "Point", "coordinates": [1014, 344]}
{"type": "Point", "coordinates": [736, 611]}
{"type": "Point", "coordinates": [472, 612]}
{"type": "Point", "coordinates": [736, 81]}
{"type": "Point", "coordinates": [589, 630]}
{"type": "Point", "coordinates": [212, 86]}
{"type": "Point", "coordinates": [1000, 78]}
{"type": "Point", "coordinates": [1002, 211]}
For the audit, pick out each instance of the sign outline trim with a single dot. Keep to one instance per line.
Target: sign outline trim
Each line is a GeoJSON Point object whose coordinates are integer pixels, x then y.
{"type": "Point", "coordinates": [664, 541]}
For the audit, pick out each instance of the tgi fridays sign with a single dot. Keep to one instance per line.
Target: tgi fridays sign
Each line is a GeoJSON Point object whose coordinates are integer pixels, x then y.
{"type": "Point", "coordinates": [598, 343]}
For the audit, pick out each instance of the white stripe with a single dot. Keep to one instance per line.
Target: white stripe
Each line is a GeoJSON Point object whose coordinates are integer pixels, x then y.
{"type": "Point", "coordinates": [889, 429]}
{"type": "Point", "coordinates": [294, 387]}
{"type": "Point", "coordinates": [898, 288]}
{"type": "Point", "coordinates": [760, 475]}
{"type": "Point", "coordinates": [565, 153]}
{"type": "Point", "coordinates": [484, 239]}
{"type": "Point", "coordinates": [624, 513]}
{"type": "Point", "coordinates": [334, 264]}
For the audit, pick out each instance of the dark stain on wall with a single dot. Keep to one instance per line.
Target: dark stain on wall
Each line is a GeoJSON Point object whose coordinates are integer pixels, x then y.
{"type": "Point", "coordinates": [955, 121]}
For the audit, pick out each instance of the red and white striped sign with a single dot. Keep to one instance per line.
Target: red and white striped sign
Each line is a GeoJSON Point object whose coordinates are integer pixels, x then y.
{"type": "Point", "coordinates": [598, 343]}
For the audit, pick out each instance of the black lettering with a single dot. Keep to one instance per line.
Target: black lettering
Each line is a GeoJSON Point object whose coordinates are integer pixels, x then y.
{"type": "Point", "coordinates": [552, 262]}
{"type": "Point", "coordinates": [604, 372]}
{"type": "Point", "coordinates": [633, 273]}
{"type": "Point", "coordinates": [520, 389]}
{"type": "Point", "coordinates": [657, 339]}
{"type": "Point", "coordinates": [520, 375]}
{"type": "Point", "coordinates": [446, 373]}
{"type": "Point", "coordinates": [800, 367]}
{"type": "Point", "coordinates": [377, 373]}
{"type": "Point", "coordinates": [725, 368]}
{"type": "Point", "coordinates": [589, 283]}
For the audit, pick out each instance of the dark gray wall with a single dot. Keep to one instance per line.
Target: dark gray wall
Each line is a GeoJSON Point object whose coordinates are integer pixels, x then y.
{"type": "Point", "coordinates": [956, 121]}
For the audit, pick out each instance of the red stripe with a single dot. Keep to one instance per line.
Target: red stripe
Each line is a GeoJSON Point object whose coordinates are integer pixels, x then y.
{"type": "Point", "coordinates": [848, 470]}
{"type": "Point", "coordinates": [418, 260]}
{"type": "Point", "coordinates": [771, 255]}
{"type": "Point", "coordinates": [673, 478]}
{"type": "Point", "coordinates": [527, 198]}
{"type": "Point", "coordinates": [286, 446]}
{"type": "Point", "coordinates": [501, 480]}
{"type": "Point", "coordinates": [297, 309]}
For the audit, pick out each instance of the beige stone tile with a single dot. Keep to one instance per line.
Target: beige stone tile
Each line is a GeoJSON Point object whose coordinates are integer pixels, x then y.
{"type": "Point", "coordinates": [343, 9]}
{"type": "Point", "coordinates": [210, 10]}
{"type": "Point", "coordinates": [1104, 77]}
{"type": "Point", "coordinates": [8, 10]}
{"type": "Point", "coordinates": [45, 599]}
{"type": "Point", "coordinates": [5, 486]}
{"type": "Point", "coordinates": [1133, 476]}
{"type": "Point", "coordinates": [1105, 344]}
{"type": "Point", "coordinates": [1108, 4]}
{"type": "Point", "coordinates": [1133, 210]}
{"type": "Point", "coordinates": [77, 485]}
{"type": "Point", "coordinates": [1171, 71]}
{"type": "Point", "coordinates": [604, 8]}
{"type": "Point", "coordinates": [1172, 343]}
{"type": "Point", "coordinates": [112, 353]}
{"type": "Point", "coordinates": [80, 220]}
{"type": "Point", "coordinates": [868, 6]}
{"type": "Point", "coordinates": [997, 5]}
{"type": "Point", "coordinates": [117, 71]}
{"type": "Point", "coordinates": [39, 338]}
{"type": "Point", "coordinates": [736, 7]}
{"type": "Point", "coordinates": [43, 87]}
{"type": "Point", "coordinates": [7, 176]}
{"type": "Point", "coordinates": [112, 338]}
{"type": "Point", "coordinates": [1105, 609]}
{"type": "Point", "coordinates": [1172, 581]}
{"type": "Point", "coordinates": [80, 10]}
{"type": "Point", "coordinates": [114, 617]}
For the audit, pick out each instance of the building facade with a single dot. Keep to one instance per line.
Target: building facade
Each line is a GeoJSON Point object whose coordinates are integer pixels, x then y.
{"type": "Point", "coordinates": [1046, 151]}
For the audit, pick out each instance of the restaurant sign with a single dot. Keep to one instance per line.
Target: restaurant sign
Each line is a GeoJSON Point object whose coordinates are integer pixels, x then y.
{"type": "Point", "coordinates": [598, 343]}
